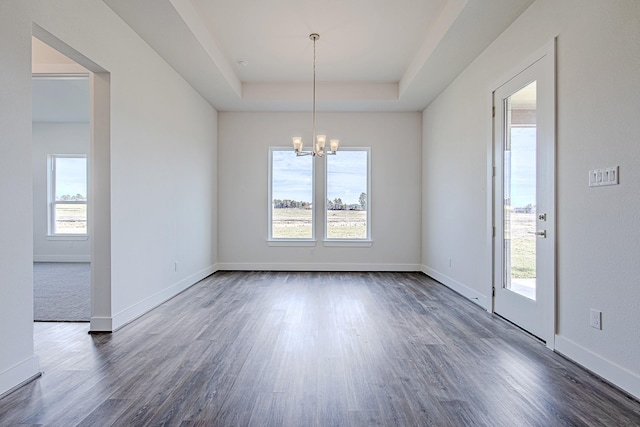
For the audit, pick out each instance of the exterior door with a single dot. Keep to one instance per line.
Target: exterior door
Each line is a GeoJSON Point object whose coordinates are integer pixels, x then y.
{"type": "Point", "coordinates": [524, 213]}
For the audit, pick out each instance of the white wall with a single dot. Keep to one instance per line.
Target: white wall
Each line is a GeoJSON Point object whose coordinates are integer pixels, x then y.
{"type": "Point", "coordinates": [55, 138]}
{"type": "Point", "coordinates": [17, 359]}
{"type": "Point", "coordinates": [163, 169]}
{"type": "Point", "coordinates": [163, 157]}
{"type": "Point", "coordinates": [598, 229]}
{"type": "Point", "coordinates": [244, 141]}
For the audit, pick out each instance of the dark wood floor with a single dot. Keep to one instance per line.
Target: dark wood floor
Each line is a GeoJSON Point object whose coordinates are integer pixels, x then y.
{"type": "Point", "coordinates": [311, 349]}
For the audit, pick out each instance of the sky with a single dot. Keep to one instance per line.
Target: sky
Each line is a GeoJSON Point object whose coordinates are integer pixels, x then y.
{"type": "Point", "coordinates": [523, 166]}
{"type": "Point", "coordinates": [292, 177]}
{"type": "Point", "coordinates": [346, 175]}
{"type": "Point", "coordinates": [71, 176]}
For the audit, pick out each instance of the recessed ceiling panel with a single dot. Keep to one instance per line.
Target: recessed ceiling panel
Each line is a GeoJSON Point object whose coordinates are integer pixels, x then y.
{"type": "Point", "coordinates": [360, 40]}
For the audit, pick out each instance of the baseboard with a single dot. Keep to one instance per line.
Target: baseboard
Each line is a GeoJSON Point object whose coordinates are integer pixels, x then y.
{"type": "Point", "coordinates": [133, 312]}
{"type": "Point", "coordinates": [18, 375]}
{"type": "Point", "coordinates": [458, 287]}
{"type": "Point", "coordinates": [101, 324]}
{"type": "Point", "coordinates": [62, 258]}
{"type": "Point", "coordinates": [617, 375]}
{"type": "Point", "coordinates": [240, 266]}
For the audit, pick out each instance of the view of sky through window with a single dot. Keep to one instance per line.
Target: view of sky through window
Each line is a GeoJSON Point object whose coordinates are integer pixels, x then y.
{"type": "Point", "coordinates": [347, 176]}
{"type": "Point", "coordinates": [523, 167]}
{"type": "Point", "coordinates": [292, 177]}
{"type": "Point", "coordinates": [71, 176]}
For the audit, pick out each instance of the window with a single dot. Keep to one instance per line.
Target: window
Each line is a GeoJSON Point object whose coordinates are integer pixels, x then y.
{"type": "Point", "coordinates": [291, 195]}
{"type": "Point", "coordinates": [68, 195]}
{"type": "Point", "coordinates": [347, 184]}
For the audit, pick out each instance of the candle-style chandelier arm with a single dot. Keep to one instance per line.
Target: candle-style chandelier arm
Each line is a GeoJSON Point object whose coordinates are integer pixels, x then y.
{"type": "Point", "coordinates": [320, 148]}
{"type": "Point", "coordinates": [319, 141]}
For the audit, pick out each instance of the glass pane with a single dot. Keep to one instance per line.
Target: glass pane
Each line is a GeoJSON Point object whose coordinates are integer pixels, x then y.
{"type": "Point", "coordinates": [347, 195]}
{"type": "Point", "coordinates": [292, 192]}
{"type": "Point", "coordinates": [520, 192]}
{"type": "Point", "coordinates": [71, 178]}
{"type": "Point", "coordinates": [70, 218]}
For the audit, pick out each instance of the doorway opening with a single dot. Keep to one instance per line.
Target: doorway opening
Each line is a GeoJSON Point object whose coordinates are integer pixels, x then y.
{"type": "Point", "coordinates": [60, 147]}
{"type": "Point", "coordinates": [72, 203]}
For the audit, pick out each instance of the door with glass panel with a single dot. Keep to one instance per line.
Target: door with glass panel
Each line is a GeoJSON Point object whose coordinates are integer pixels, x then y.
{"type": "Point", "coordinates": [524, 248]}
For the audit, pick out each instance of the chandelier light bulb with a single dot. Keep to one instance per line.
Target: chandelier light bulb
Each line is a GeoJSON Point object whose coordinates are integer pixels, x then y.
{"type": "Point", "coordinates": [297, 143]}
{"type": "Point", "coordinates": [321, 140]}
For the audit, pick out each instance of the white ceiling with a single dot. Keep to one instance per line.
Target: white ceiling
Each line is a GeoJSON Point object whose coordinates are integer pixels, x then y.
{"type": "Point", "coordinates": [361, 40]}
{"type": "Point", "coordinates": [373, 55]}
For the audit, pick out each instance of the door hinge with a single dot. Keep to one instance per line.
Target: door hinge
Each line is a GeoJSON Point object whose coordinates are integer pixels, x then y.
{"type": "Point", "coordinates": [493, 291]}
{"type": "Point", "coordinates": [493, 232]}
{"type": "Point", "coordinates": [493, 111]}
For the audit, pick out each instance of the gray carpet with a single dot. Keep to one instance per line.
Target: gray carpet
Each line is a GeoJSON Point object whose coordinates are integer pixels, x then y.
{"type": "Point", "coordinates": [62, 291]}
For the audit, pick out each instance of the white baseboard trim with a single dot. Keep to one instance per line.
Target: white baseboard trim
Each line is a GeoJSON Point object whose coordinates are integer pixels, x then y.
{"type": "Point", "coordinates": [18, 375]}
{"type": "Point", "coordinates": [610, 371]}
{"type": "Point", "coordinates": [62, 258]}
{"type": "Point", "coordinates": [240, 266]}
{"type": "Point", "coordinates": [101, 324]}
{"type": "Point", "coordinates": [133, 312]}
{"type": "Point", "coordinates": [464, 290]}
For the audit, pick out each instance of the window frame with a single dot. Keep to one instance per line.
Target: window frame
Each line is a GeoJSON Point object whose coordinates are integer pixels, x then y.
{"type": "Point", "coordinates": [279, 241]}
{"type": "Point", "coordinates": [332, 241]}
{"type": "Point", "coordinates": [52, 202]}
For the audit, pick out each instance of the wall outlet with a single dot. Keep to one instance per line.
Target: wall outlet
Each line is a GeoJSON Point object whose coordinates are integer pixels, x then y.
{"type": "Point", "coordinates": [596, 319]}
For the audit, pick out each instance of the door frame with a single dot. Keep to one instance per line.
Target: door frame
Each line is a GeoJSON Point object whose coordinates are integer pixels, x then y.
{"type": "Point", "coordinates": [99, 177]}
{"type": "Point", "coordinates": [548, 298]}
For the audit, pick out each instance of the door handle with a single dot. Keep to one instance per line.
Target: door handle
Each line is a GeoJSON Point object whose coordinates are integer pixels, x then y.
{"type": "Point", "coordinates": [542, 233]}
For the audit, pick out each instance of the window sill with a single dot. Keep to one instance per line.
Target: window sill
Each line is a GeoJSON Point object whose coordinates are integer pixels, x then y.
{"type": "Point", "coordinates": [291, 243]}
{"type": "Point", "coordinates": [69, 237]}
{"type": "Point", "coordinates": [348, 243]}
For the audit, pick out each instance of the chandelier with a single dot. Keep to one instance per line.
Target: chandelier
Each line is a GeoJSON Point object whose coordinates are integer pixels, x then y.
{"type": "Point", "coordinates": [318, 147]}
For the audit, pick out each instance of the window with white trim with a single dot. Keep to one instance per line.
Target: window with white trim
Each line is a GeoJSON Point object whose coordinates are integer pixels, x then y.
{"type": "Point", "coordinates": [67, 195]}
{"type": "Point", "coordinates": [347, 189]}
{"type": "Point", "coordinates": [291, 195]}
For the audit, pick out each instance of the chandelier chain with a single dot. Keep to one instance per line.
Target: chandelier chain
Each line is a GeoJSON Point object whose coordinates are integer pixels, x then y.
{"type": "Point", "coordinates": [313, 136]}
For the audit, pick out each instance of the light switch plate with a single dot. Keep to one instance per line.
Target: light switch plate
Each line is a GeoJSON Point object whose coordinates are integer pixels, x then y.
{"type": "Point", "coordinates": [605, 176]}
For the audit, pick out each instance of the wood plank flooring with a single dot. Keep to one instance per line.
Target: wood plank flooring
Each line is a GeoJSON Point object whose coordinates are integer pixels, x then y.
{"type": "Point", "coordinates": [310, 349]}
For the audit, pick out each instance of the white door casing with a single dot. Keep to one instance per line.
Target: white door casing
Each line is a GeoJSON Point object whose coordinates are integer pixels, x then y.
{"type": "Point", "coordinates": [534, 312]}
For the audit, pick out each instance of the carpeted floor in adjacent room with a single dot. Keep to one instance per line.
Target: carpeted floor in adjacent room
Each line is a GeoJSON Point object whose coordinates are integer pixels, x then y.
{"type": "Point", "coordinates": [62, 291]}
